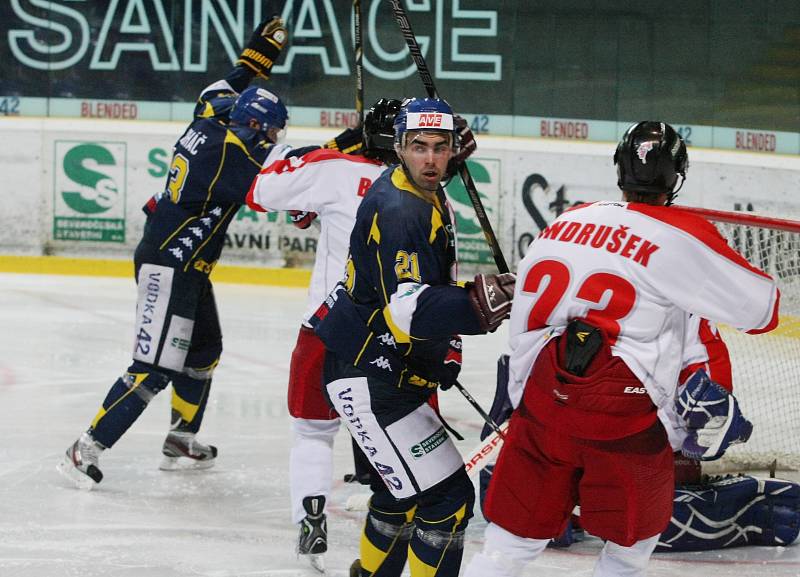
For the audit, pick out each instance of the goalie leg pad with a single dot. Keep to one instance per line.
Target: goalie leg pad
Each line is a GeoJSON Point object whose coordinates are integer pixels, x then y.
{"type": "Point", "coordinates": [733, 512]}
{"type": "Point", "coordinates": [125, 401]}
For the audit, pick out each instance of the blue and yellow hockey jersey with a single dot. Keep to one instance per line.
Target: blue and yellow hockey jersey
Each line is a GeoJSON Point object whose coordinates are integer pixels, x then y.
{"type": "Point", "coordinates": [213, 165]}
{"type": "Point", "coordinates": [399, 304]}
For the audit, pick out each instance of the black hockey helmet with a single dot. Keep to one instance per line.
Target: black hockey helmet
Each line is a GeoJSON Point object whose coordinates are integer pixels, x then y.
{"type": "Point", "coordinates": [379, 130]}
{"type": "Point", "coordinates": [649, 159]}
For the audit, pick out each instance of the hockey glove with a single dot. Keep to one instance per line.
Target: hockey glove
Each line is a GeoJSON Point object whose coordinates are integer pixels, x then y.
{"type": "Point", "coordinates": [302, 219]}
{"type": "Point", "coordinates": [349, 141]}
{"type": "Point", "coordinates": [452, 363]}
{"type": "Point", "coordinates": [466, 145]}
{"type": "Point", "coordinates": [713, 418]}
{"type": "Point", "coordinates": [264, 47]}
{"type": "Point", "coordinates": [491, 296]}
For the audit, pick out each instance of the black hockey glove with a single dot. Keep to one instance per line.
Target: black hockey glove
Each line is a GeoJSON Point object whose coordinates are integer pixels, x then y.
{"type": "Point", "coordinates": [349, 141]}
{"type": "Point", "coordinates": [302, 219]}
{"type": "Point", "coordinates": [452, 363]}
{"type": "Point", "coordinates": [466, 145]}
{"type": "Point", "coordinates": [491, 296]}
{"type": "Point", "coordinates": [264, 46]}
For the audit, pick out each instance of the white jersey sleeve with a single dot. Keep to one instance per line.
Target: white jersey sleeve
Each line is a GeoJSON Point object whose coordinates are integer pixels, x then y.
{"type": "Point", "coordinates": [329, 183]}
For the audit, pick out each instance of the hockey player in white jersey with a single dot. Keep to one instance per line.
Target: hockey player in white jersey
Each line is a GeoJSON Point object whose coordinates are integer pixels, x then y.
{"type": "Point", "coordinates": [329, 185]}
{"type": "Point", "coordinates": [597, 331]}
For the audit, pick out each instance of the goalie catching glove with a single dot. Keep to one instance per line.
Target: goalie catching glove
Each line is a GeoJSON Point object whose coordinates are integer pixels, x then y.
{"type": "Point", "coordinates": [713, 418]}
{"type": "Point", "coordinates": [349, 141]}
{"type": "Point", "coordinates": [491, 296]}
{"type": "Point", "coordinates": [264, 47]}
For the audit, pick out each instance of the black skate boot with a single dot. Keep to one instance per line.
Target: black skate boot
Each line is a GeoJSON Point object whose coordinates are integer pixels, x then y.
{"type": "Point", "coordinates": [313, 540]}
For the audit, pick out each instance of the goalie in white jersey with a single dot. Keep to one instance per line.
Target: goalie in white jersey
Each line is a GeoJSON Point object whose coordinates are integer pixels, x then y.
{"type": "Point", "coordinates": [601, 310]}
{"type": "Point", "coordinates": [329, 185]}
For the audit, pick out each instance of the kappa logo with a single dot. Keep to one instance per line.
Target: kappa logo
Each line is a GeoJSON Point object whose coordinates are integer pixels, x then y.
{"type": "Point", "coordinates": [643, 149]}
{"type": "Point", "coordinates": [382, 363]}
{"type": "Point", "coordinates": [387, 339]}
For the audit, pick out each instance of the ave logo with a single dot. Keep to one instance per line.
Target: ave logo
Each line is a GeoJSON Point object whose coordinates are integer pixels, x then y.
{"type": "Point", "coordinates": [430, 120]}
{"type": "Point", "coordinates": [89, 191]}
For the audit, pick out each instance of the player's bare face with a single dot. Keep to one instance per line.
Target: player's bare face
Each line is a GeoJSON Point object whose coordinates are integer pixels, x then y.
{"type": "Point", "coordinates": [426, 155]}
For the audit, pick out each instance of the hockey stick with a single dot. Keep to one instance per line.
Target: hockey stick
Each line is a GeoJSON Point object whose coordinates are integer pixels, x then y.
{"type": "Point", "coordinates": [474, 462]}
{"type": "Point", "coordinates": [359, 50]}
{"type": "Point", "coordinates": [427, 80]}
{"type": "Point", "coordinates": [480, 456]}
{"type": "Point", "coordinates": [471, 400]}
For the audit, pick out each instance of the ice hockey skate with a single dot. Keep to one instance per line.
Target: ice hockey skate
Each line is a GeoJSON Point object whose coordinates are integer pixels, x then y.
{"type": "Point", "coordinates": [79, 465]}
{"type": "Point", "coordinates": [313, 540]}
{"type": "Point", "coordinates": [182, 451]}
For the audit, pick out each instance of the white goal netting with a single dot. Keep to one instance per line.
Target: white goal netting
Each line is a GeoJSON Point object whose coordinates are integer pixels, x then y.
{"type": "Point", "coordinates": [766, 368]}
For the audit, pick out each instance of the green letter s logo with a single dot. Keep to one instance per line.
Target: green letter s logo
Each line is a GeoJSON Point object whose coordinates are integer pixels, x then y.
{"type": "Point", "coordinates": [98, 192]}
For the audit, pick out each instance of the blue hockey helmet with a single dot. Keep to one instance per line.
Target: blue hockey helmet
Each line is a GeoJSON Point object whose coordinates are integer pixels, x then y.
{"type": "Point", "coordinates": [262, 106]}
{"type": "Point", "coordinates": [426, 115]}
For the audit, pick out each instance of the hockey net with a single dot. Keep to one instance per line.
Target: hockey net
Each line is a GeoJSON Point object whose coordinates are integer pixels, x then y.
{"type": "Point", "coordinates": [766, 368]}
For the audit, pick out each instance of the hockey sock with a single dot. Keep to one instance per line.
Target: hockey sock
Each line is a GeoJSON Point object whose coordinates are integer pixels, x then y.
{"type": "Point", "coordinates": [384, 541]}
{"type": "Point", "coordinates": [189, 399]}
{"type": "Point", "coordinates": [437, 545]}
{"type": "Point", "coordinates": [125, 401]}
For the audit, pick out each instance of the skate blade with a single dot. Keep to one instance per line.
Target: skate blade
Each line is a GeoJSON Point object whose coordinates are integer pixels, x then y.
{"type": "Point", "coordinates": [69, 472]}
{"type": "Point", "coordinates": [184, 464]}
{"type": "Point", "coordinates": [317, 562]}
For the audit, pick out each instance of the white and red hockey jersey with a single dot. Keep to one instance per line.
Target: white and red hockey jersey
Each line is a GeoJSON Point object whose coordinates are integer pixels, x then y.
{"type": "Point", "coordinates": [329, 183]}
{"type": "Point", "coordinates": [638, 271]}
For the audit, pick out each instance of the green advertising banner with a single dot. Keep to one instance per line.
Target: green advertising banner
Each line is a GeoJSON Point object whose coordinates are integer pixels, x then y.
{"type": "Point", "coordinates": [727, 75]}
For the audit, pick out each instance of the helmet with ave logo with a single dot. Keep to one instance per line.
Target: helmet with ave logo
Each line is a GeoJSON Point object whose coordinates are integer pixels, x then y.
{"type": "Point", "coordinates": [424, 115]}
{"type": "Point", "coordinates": [649, 159]}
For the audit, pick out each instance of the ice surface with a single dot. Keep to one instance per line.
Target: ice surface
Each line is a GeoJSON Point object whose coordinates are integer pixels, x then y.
{"type": "Point", "coordinates": [63, 342]}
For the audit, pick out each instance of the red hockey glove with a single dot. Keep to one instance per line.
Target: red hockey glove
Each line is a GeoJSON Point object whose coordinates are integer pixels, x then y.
{"type": "Point", "coordinates": [349, 141]}
{"type": "Point", "coordinates": [264, 46]}
{"type": "Point", "coordinates": [302, 219]}
{"type": "Point", "coordinates": [491, 296]}
{"type": "Point", "coordinates": [452, 363]}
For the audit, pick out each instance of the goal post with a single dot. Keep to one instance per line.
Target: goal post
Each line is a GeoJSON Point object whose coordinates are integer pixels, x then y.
{"type": "Point", "coordinates": [766, 367]}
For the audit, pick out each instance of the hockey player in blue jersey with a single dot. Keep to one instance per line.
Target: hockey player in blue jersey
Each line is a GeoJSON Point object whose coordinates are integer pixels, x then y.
{"type": "Point", "coordinates": [177, 333]}
{"type": "Point", "coordinates": [234, 132]}
{"type": "Point", "coordinates": [389, 330]}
